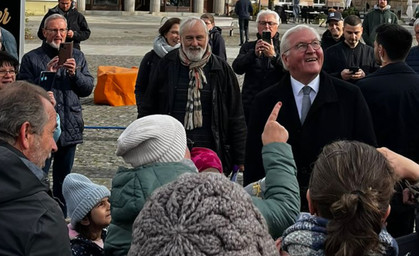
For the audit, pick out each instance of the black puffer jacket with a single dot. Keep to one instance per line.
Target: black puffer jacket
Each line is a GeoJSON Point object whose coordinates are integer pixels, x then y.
{"type": "Point", "coordinates": [75, 22]}
{"type": "Point", "coordinates": [228, 125]}
{"type": "Point", "coordinates": [67, 90]}
{"type": "Point", "coordinates": [31, 221]}
{"type": "Point", "coordinates": [260, 72]}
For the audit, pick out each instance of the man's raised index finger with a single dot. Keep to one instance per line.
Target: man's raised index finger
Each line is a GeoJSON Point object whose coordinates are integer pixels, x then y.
{"type": "Point", "coordinates": [275, 111]}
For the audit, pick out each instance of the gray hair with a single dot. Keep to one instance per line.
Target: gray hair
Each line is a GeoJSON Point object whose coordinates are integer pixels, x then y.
{"type": "Point", "coordinates": [268, 12]}
{"type": "Point", "coordinates": [54, 16]}
{"type": "Point", "coordinates": [19, 103]}
{"type": "Point", "coordinates": [416, 23]}
{"type": "Point", "coordinates": [285, 44]}
{"type": "Point", "coordinates": [189, 22]}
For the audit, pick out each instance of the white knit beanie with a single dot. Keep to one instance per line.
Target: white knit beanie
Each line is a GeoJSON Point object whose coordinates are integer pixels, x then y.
{"type": "Point", "coordinates": [81, 195]}
{"type": "Point", "coordinates": [151, 139]}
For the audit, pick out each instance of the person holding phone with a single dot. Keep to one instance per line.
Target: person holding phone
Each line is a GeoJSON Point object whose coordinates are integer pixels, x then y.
{"type": "Point", "coordinates": [260, 60]}
{"type": "Point", "coordinates": [350, 60]}
{"type": "Point", "coordinates": [78, 29]}
{"type": "Point", "coordinates": [72, 81]}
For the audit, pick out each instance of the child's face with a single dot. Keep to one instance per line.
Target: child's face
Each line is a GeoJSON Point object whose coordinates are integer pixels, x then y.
{"type": "Point", "coordinates": [101, 213]}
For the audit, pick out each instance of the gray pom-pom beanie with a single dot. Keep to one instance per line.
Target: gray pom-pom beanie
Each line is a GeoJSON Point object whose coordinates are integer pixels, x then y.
{"type": "Point", "coordinates": [201, 214]}
{"type": "Point", "coordinates": [81, 195]}
{"type": "Point", "coordinates": [151, 139]}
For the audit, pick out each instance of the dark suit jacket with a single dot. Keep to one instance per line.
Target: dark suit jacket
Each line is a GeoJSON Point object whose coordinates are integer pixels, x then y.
{"type": "Point", "coordinates": [392, 94]}
{"type": "Point", "coordinates": [338, 112]}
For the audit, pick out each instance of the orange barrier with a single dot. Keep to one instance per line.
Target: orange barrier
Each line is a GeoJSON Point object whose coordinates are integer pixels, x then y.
{"type": "Point", "coordinates": [115, 85]}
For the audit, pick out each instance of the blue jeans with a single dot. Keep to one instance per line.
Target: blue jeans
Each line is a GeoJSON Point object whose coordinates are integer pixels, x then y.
{"type": "Point", "coordinates": [244, 25]}
{"type": "Point", "coordinates": [62, 165]}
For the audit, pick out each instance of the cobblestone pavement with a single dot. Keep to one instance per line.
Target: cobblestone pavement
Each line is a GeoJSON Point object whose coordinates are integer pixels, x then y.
{"type": "Point", "coordinates": [118, 41]}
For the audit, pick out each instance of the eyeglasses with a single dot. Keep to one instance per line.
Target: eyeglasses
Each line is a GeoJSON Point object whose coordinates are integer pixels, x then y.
{"type": "Point", "coordinates": [55, 31]}
{"type": "Point", "coordinates": [302, 47]}
{"type": "Point", "coordinates": [270, 23]}
{"type": "Point", "coordinates": [5, 72]}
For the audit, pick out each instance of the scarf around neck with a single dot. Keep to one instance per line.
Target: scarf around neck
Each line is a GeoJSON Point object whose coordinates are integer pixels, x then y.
{"type": "Point", "coordinates": [308, 234]}
{"type": "Point", "coordinates": [161, 47]}
{"type": "Point", "coordinates": [197, 79]}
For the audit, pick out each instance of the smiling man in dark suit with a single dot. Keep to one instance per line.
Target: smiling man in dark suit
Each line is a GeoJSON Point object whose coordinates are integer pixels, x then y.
{"type": "Point", "coordinates": [317, 108]}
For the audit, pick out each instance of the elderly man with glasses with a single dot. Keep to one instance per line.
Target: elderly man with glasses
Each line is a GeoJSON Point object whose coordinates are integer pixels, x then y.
{"type": "Point", "coordinates": [71, 80]}
{"type": "Point", "coordinates": [260, 60]}
{"type": "Point", "coordinates": [78, 29]}
{"type": "Point", "coordinates": [317, 109]}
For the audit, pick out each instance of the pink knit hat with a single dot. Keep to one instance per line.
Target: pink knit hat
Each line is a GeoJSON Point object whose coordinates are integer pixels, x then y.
{"type": "Point", "coordinates": [205, 158]}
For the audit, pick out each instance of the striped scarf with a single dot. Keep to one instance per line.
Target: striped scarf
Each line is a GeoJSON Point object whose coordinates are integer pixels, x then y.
{"type": "Point", "coordinates": [197, 79]}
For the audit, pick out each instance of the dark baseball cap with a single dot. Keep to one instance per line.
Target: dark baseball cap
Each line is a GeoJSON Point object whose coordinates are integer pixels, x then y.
{"type": "Point", "coordinates": [334, 16]}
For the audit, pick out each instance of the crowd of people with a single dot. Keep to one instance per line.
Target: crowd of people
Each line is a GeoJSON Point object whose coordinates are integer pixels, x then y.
{"type": "Point", "coordinates": [324, 131]}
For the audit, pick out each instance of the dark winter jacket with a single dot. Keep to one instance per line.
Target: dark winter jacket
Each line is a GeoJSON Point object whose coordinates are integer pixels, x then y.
{"type": "Point", "coordinates": [75, 22]}
{"type": "Point", "coordinates": [147, 66]}
{"type": "Point", "coordinates": [31, 221]}
{"type": "Point", "coordinates": [217, 43]}
{"type": "Point", "coordinates": [392, 94]}
{"type": "Point", "coordinates": [413, 59]}
{"type": "Point", "coordinates": [67, 90]}
{"type": "Point", "coordinates": [130, 190]}
{"type": "Point", "coordinates": [81, 246]}
{"type": "Point", "coordinates": [328, 40]}
{"type": "Point", "coordinates": [338, 112]}
{"type": "Point", "coordinates": [375, 18]}
{"type": "Point", "coordinates": [228, 126]}
{"type": "Point", "coordinates": [340, 56]}
{"type": "Point", "coordinates": [244, 9]}
{"type": "Point", "coordinates": [260, 72]}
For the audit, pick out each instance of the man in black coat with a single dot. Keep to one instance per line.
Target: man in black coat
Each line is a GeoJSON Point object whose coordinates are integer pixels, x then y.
{"type": "Point", "coordinates": [244, 10]}
{"type": "Point", "coordinates": [392, 94]}
{"type": "Point", "coordinates": [338, 110]}
{"type": "Point", "coordinates": [78, 30]}
{"type": "Point", "coordinates": [260, 61]}
{"type": "Point", "coordinates": [30, 219]}
{"type": "Point", "coordinates": [201, 91]}
{"type": "Point", "coordinates": [351, 59]}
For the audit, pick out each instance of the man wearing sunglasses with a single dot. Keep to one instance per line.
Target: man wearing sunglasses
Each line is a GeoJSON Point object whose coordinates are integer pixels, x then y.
{"type": "Point", "coordinates": [317, 109]}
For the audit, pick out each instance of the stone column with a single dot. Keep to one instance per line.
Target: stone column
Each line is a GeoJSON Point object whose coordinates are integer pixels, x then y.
{"type": "Point", "coordinates": [219, 6]}
{"type": "Point", "coordinates": [129, 5]}
{"type": "Point", "coordinates": [154, 6]}
{"type": "Point", "coordinates": [198, 6]}
{"type": "Point", "coordinates": [81, 5]}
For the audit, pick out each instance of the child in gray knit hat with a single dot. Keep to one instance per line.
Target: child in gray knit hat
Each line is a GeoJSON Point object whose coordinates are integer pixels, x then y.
{"type": "Point", "coordinates": [89, 209]}
{"type": "Point", "coordinates": [155, 147]}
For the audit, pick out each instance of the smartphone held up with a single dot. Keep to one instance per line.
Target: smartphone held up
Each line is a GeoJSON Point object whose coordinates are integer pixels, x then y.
{"type": "Point", "coordinates": [266, 36]}
{"type": "Point", "coordinates": [65, 52]}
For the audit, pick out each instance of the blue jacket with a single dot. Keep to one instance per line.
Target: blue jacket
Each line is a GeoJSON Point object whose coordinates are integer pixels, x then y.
{"type": "Point", "coordinates": [9, 42]}
{"type": "Point", "coordinates": [244, 9]}
{"type": "Point", "coordinates": [67, 90]}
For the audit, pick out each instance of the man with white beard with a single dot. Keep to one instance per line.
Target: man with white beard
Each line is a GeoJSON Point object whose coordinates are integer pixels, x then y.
{"type": "Point", "coordinates": [71, 80]}
{"type": "Point", "coordinates": [201, 91]}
